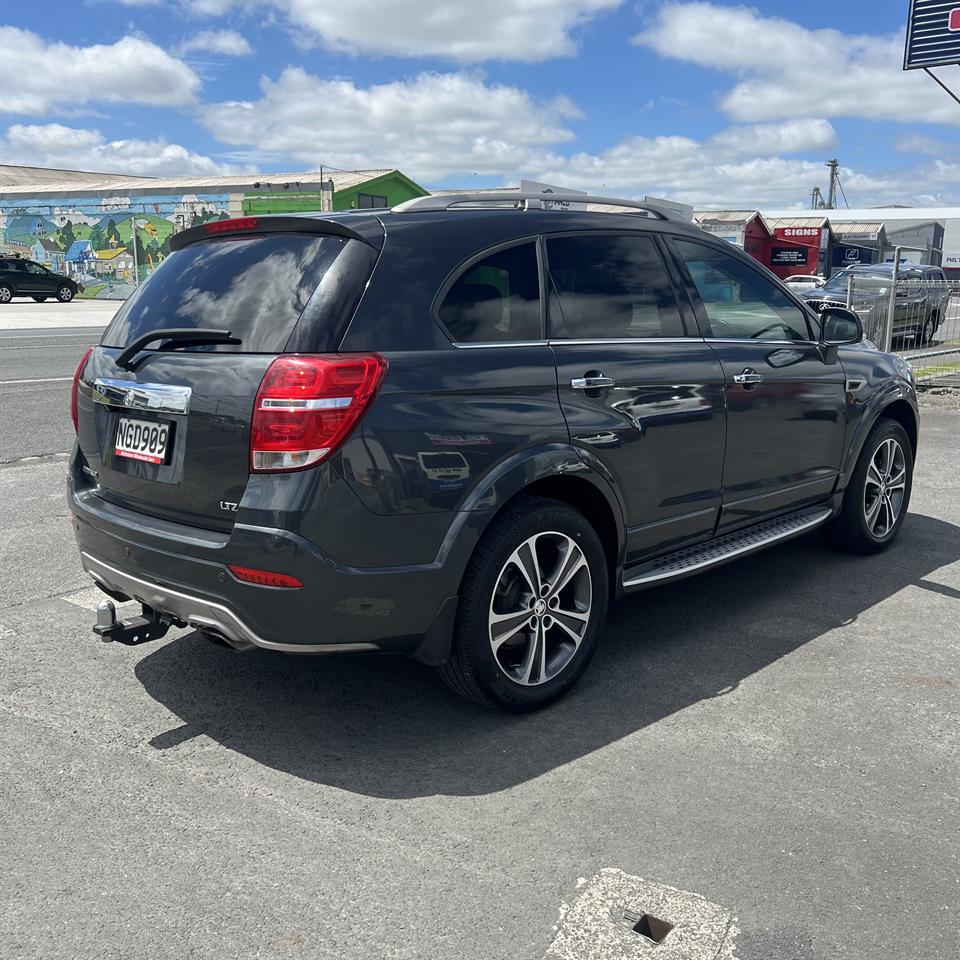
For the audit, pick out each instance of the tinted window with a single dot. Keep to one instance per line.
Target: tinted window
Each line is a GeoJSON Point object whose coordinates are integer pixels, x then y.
{"type": "Point", "coordinates": [741, 303]}
{"type": "Point", "coordinates": [611, 287]}
{"type": "Point", "coordinates": [32, 267]}
{"type": "Point", "coordinates": [497, 298]}
{"type": "Point", "coordinates": [17, 266]}
{"type": "Point", "coordinates": [256, 287]}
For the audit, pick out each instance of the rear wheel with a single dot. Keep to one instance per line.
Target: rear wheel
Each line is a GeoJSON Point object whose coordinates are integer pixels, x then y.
{"type": "Point", "coordinates": [876, 500]}
{"type": "Point", "coordinates": [532, 608]}
{"type": "Point", "coordinates": [65, 293]}
{"type": "Point", "coordinates": [39, 299]}
{"type": "Point", "coordinates": [6, 293]}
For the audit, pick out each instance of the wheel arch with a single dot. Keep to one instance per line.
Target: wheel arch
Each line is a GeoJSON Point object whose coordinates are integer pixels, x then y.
{"type": "Point", "coordinates": [896, 406]}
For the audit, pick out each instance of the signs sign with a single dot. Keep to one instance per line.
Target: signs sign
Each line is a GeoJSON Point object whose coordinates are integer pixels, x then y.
{"type": "Point", "coordinates": [933, 34]}
{"type": "Point", "coordinates": [788, 256]}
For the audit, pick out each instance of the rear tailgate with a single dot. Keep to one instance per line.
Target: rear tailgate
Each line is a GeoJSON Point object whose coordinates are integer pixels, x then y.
{"type": "Point", "coordinates": [171, 436]}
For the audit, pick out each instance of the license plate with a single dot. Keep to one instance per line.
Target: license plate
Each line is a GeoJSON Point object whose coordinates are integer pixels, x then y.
{"type": "Point", "coordinates": [142, 440]}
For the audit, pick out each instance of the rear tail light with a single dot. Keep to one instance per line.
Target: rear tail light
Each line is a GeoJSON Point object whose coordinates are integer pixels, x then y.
{"type": "Point", "coordinates": [76, 387]}
{"type": "Point", "coordinates": [265, 578]}
{"type": "Point", "coordinates": [308, 405]}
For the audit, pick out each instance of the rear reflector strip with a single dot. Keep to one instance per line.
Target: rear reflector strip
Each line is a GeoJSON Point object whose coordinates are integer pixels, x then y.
{"type": "Point", "coordinates": [265, 578]}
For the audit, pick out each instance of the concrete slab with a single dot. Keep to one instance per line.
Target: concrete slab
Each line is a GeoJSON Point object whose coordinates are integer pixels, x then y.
{"type": "Point", "coordinates": [621, 917]}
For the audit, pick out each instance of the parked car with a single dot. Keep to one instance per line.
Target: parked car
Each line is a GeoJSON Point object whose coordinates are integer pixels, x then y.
{"type": "Point", "coordinates": [20, 277]}
{"type": "Point", "coordinates": [629, 401]}
{"type": "Point", "coordinates": [921, 298]}
{"type": "Point", "coordinates": [803, 281]}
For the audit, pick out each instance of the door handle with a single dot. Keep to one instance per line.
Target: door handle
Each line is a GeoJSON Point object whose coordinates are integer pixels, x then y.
{"type": "Point", "coordinates": [592, 383]}
{"type": "Point", "coordinates": [748, 376]}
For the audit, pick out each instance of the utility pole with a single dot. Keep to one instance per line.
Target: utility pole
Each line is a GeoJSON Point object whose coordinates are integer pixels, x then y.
{"type": "Point", "coordinates": [834, 166]}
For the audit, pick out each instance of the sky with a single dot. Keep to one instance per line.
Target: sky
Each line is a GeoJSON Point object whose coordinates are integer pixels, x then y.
{"type": "Point", "coordinates": [710, 103]}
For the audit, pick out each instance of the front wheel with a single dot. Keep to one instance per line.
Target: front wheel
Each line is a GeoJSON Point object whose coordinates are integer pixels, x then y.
{"type": "Point", "coordinates": [533, 604]}
{"type": "Point", "coordinates": [876, 499]}
{"type": "Point", "coordinates": [925, 331]}
{"type": "Point", "coordinates": [65, 293]}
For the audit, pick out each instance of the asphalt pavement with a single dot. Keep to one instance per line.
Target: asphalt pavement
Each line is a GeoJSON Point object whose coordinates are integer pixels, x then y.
{"type": "Point", "coordinates": [776, 740]}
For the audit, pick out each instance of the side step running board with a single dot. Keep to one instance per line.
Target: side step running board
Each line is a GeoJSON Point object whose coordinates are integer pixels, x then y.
{"type": "Point", "coordinates": [726, 547]}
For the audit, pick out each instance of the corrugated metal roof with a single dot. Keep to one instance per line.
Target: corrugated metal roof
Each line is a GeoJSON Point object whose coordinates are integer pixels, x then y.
{"type": "Point", "coordinates": [810, 221]}
{"type": "Point", "coordinates": [725, 216]}
{"type": "Point", "coordinates": [856, 228]}
{"type": "Point", "coordinates": [13, 176]}
{"type": "Point", "coordinates": [145, 186]}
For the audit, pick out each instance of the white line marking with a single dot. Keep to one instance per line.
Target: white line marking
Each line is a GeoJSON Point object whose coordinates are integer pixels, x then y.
{"type": "Point", "coordinates": [4, 383]}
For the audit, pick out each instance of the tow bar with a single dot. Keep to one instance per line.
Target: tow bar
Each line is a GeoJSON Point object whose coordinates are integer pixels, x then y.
{"type": "Point", "coordinates": [150, 625]}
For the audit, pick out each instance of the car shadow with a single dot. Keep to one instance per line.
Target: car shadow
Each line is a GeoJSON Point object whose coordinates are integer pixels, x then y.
{"type": "Point", "coordinates": [387, 727]}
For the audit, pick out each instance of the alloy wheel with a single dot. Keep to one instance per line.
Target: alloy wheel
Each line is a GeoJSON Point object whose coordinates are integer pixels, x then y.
{"type": "Point", "coordinates": [6, 294]}
{"type": "Point", "coordinates": [64, 294]}
{"type": "Point", "coordinates": [540, 609]}
{"type": "Point", "coordinates": [884, 488]}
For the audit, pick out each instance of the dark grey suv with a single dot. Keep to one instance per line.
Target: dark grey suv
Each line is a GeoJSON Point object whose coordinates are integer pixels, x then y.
{"type": "Point", "coordinates": [459, 428]}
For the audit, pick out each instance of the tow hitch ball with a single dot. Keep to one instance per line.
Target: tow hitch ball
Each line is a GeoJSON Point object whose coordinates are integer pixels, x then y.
{"type": "Point", "coordinates": [150, 625]}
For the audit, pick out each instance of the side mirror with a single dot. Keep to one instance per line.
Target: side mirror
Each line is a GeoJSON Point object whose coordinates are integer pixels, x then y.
{"type": "Point", "coordinates": [839, 326]}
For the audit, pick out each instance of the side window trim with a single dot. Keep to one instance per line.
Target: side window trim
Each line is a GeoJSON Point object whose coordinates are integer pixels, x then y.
{"type": "Point", "coordinates": [553, 297]}
{"type": "Point", "coordinates": [461, 268]}
{"type": "Point", "coordinates": [703, 320]}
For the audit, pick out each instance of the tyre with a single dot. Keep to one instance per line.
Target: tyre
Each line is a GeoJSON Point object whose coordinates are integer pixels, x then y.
{"type": "Point", "coordinates": [926, 331]}
{"type": "Point", "coordinates": [65, 293]}
{"type": "Point", "coordinates": [877, 497]}
{"type": "Point", "coordinates": [533, 604]}
{"type": "Point", "coordinates": [39, 299]}
{"type": "Point", "coordinates": [6, 293]}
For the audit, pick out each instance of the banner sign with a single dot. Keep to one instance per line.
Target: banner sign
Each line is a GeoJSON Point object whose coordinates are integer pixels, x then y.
{"type": "Point", "coordinates": [933, 34]}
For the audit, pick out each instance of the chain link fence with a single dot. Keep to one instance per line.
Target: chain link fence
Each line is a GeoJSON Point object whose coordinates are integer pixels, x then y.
{"type": "Point", "coordinates": [919, 319]}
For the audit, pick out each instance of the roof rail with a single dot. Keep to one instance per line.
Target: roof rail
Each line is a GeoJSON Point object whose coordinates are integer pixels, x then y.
{"type": "Point", "coordinates": [521, 200]}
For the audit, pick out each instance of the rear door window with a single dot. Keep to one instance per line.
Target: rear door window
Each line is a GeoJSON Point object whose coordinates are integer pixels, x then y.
{"type": "Point", "coordinates": [611, 288]}
{"type": "Point", "coordinates": [257, 287]}
{"type": "Point", "coordinates": [495, 299]}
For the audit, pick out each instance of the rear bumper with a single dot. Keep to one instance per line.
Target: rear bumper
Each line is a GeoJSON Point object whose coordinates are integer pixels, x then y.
{"type": "Point", "coordinates": [201, 612]}
{"type": "Point", "coordinates": [184, 572]}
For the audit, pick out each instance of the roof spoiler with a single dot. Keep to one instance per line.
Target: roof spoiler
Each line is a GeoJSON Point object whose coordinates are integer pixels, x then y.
{"type": "Point", "coordinates": [238, 226]}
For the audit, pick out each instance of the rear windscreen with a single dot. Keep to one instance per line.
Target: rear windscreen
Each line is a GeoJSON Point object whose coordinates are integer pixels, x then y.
{"type": "Point", "coordinates": [255, 287]}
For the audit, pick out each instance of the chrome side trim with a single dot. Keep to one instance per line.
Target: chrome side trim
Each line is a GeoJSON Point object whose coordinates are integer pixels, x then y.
{"type": "Point", "coordinates": [560, 341]}
{"type": "Point", "coordinates": [158, 397]}
{"type": "Point", "coordinates": [199, 612]}
{"type": "Point", "coordinates": [728, 546]}
{"type": "Point", "coordinates": [499, 343]}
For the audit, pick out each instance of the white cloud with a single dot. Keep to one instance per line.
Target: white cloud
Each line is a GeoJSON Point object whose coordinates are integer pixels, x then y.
{"type": "Point", "coordinates": [466, 32]}
{"type": "Point", "coordinates": [786, 68]}
{"type": "Point", "coordinates": [55, 145]}
{"type": "Point", "coordinates": [226, 43]}
{"type": "Point", "coordinates": [432, 125]}
{"type": "Point", "coordinates": [743, 166]}
{"type": "Point", "coordinates": [39, 76]}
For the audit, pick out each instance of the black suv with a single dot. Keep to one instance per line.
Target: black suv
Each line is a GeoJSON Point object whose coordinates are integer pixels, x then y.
{"type": "Point", "coordinates": [459, 428]}
{"type": "Point", "coordinates": [20, 277]}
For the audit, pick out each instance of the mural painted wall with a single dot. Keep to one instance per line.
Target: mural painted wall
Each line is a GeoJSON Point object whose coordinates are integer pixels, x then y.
{"type": "Point", "coordinates": [105, 243]}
